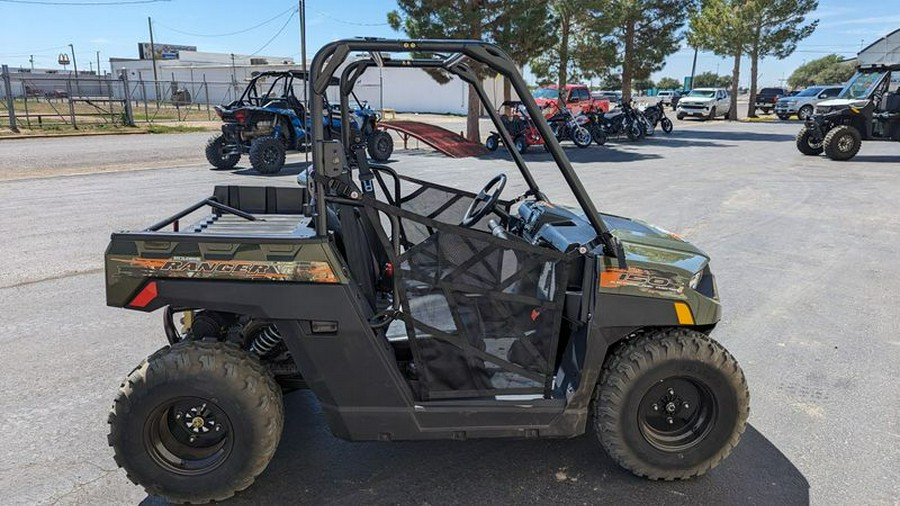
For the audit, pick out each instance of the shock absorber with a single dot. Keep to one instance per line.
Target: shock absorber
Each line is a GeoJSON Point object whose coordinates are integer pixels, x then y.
{"type": "Point", "coordinates": [265, 340]}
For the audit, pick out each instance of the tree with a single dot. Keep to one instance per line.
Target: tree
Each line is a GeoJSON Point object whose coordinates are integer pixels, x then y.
{"type": "Point", "coordinates": [575, 54]}
{"type": "Point", "coordinates": [643, 84]}
{"type": "Point", "coordinates": [831, 69]}
{"type": "Point", "coordinates": [490, 20]}
{"type": "Point", "coordinates": [518, 18]}
{"type": "Point", "coordinates": [669, 83]}
{"type": "Point", "coordinates": [723, 27]}
{"type": "Point", "coordinates": [611, 82]}
{"type": "Point", "coordinates": [640, 33]}
{"type": "Point", "coordinates": [711, 80]}
{"type": "Point", "coordinates": [778, 25]}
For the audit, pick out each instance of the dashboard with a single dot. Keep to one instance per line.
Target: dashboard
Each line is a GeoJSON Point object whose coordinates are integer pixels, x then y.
{"type": "Point", "coordinates": [544, 224]}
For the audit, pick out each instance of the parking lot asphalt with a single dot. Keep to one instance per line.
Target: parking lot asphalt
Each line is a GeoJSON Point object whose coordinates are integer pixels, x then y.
{"type": "Point", "coordinates": [804, 250]}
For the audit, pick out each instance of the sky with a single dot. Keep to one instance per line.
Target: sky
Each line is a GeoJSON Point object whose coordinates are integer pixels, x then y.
{"type": "Point", "coordinates": [270, 28]}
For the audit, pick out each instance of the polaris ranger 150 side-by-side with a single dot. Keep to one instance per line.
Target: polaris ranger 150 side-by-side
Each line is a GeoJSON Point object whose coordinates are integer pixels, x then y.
{"type": "Point", "coordinates": [413, 310]}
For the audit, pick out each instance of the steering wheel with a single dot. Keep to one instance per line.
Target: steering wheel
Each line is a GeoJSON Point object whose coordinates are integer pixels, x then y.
{"type": "Point", "coordinates": [485, 201]}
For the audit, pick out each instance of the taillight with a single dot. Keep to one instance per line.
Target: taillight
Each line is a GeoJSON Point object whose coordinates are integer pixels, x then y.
{"type": "Point", "coordinates": [240, 116]}
{"type": "Point", "coordinates": [145, 296]}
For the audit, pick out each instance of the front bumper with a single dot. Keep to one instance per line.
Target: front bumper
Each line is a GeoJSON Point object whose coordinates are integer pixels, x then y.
{"type": "Point", "coordinates": [693, 109]}
{"type": "Point", "coordinates": [790, 108]}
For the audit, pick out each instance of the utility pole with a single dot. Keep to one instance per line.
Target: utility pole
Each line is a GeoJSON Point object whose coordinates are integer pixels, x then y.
{"type": "Point", "coordinates": [233, 78]}
{"type": "Point", "coordinates": [98, 63]}
{"type": "Point", "coordinates": [308, 83]}
{"type": "Point", "coordinates": [153, 56]}
{"type": "Point", "coordinates": [31, 61]}
{"type": "Point", "coordinates": [75, 65]}
{"type": "Point", "coordinates": [694, 68]}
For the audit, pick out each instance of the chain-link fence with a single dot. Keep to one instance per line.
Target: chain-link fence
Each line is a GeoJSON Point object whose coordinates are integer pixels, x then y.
{"type": "Point", "coordinates": [52, 101]}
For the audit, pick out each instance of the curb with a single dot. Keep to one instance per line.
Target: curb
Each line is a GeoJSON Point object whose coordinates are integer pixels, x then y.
{"type": "Point", "coordinates": [69, 134]}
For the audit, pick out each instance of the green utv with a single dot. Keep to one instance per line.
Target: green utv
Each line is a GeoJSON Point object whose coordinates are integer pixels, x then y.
{"type": "Point", "coordinates": [416, 311]}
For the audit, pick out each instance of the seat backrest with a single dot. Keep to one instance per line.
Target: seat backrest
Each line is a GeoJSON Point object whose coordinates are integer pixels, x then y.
{"type": "Point", "coordinates": [891, 102]}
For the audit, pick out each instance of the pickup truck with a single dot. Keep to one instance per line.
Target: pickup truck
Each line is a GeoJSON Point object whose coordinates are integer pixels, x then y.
{"type": "Point", "coordinates": [578, 99]}
{"type": "Point", "coordinates": [768, 97]}
{"type": "Point", "coordinates": [704, 103]}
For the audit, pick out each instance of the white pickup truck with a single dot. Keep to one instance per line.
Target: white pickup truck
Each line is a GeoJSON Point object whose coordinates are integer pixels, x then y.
{"type": "Point", "coordinates": [705, 103]}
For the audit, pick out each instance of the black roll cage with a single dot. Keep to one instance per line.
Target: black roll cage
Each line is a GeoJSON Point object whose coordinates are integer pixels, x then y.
{"type": "Point", "coordinates": [450, 56]}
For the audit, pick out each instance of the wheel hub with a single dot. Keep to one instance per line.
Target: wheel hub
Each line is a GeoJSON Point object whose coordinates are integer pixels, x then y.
{"type": "Point", "coordinates": [676, 414]}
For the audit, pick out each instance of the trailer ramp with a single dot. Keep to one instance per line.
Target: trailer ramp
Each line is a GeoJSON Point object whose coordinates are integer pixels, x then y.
{"type": "Point", "coordinates": [449, 143]}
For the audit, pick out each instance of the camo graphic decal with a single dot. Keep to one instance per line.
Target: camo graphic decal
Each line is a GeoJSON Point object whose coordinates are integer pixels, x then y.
{"type": "Point", "coordinates": [309, 271]}
{"type": "Point", "coordinates": [646, 280]}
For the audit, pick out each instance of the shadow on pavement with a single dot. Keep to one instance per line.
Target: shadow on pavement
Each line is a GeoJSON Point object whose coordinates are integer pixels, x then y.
{"type": "Point", "coordinates": [312, 466]}
{"type": "Point", "coordinates": [720, 135]}
{"type": "Point", "coordinates": [289, 169]}
{"type": "Point", "coordinates": [876, 158]}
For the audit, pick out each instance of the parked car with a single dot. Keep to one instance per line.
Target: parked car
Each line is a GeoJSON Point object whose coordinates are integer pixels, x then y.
{"type": "Point", "coordinates": [578, 99]}
{"type": "Point", "coordinates": [704, 103]}
{"type": "Point", "coordinates": [669, 97]}
{"type": "Point", "coordinates": [614, 97]}
{"type": "Point", "coordinates": [803, 104]}
{"type": "Point", "coordinates": [768, 97]}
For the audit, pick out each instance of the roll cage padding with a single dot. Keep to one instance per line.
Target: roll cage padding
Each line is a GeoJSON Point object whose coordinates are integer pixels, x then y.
{"type": "Point", "coordinates": [326, 62]}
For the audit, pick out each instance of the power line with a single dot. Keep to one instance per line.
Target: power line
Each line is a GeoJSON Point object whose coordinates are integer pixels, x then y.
{"type": "Point", "coordinates": [254, 27]}
{"type": "Point", "coordinates": [112, 2]}
{"type": "Point", "coordinates": [294, 11]}
{"type": "Point", "coordinates": [344, 21]}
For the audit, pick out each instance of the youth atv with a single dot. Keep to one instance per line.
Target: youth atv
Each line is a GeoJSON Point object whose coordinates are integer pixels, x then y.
{"type": "Point", "coordinates": [268, 120]}
{"type": "Point", "coordinates": [520, 127]}
{"type": "Point", "coordinates": [413, 310]}
{"type": "Point", "coordinates": [867, 109]}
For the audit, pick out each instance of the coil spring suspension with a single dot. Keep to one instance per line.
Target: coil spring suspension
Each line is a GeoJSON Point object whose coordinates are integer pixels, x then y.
{"type": "Point", "coordinates": [265, 341]}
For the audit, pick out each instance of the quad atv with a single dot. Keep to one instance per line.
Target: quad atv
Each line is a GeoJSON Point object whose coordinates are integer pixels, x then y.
{"type": "Point", "coordinates": [268, 120]}
{"type": "Point", "coordinates": [520, 127]}
{"type": "Point", "coordinates": [868, 108]}
{"type": "Point", "coordinates": [414, 310]}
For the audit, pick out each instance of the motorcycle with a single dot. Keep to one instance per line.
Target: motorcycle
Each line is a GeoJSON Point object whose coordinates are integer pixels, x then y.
{"type": "Point", "coordinates": [595, 126]}
{"type": "Point", "coordinates": [567, 126]}
{"type": "Point", "coordinates": [656, 115]}
{"type": "Point", "coordinates": [623, 120]}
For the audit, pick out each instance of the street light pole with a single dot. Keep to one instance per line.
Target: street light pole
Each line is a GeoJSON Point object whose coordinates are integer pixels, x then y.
{"type": "Point", "coordinates": [153, 56]}
{"type": "Point", "coordinates": [75, 65]}
{"type": "Point", "coordinates": [98, 63]}
{"type": "Point", "coordinates": [694, 68]}
{"type": "Point", "coordinates": [31, 61]}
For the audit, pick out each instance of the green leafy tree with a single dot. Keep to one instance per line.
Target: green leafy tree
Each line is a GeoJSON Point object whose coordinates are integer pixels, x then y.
{"type": "Point", "coordinates": [724, 27]}
{"type": "Point", "coordinates": [831, 69]}
{"type": "Point", "coordinates": [611, 82]}
{"type": "Point", "coordinates": [669, 83]}
{"type": "Point", "coordinates": [711, 80]}
{"type": "Point", "coordinates": [491, 20]}
{"type": "Point", "coordinates": [643, 84]}
{"type": "Point", "coordinates": [640, 33]}
{"type": "Point", "coordinates": [778, 25]}
{"type": "Point", "coordinates": [575, 54]}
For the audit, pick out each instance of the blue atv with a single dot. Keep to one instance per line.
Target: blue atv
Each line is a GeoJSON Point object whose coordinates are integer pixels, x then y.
{"type": "Point", "coordinates": [268, 120]}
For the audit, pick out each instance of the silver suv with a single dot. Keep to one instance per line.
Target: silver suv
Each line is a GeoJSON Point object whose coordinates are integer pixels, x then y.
{"type": "Point", "coordinates": [803, 104]}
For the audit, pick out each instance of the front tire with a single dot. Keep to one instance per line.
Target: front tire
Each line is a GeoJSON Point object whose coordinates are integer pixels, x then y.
{"type": "Point", "coordinates": [492, 142]}
{"type": "Point", "coordinates": [216, 154]}
{"type": "Point", "coordinates": [666, 125]}
{"type": "Point", "coordinates": [581, 137]}
{"type": "Point", "coordinates": [806, 144]}
{"type": "Point", "coordinates": [712, 113]}
{"type": "Point", "coordinates": [805, 112]}
{"type": "Point", "coordinates": [196, 422]}
{"type": "Point", "coordinates": [671, 404]}
{"type": "Point", "coordinates": [380, 146]}
{"type": "Point", "coordinates": [634, 131]}
{"type": "Point", "coordinates": [521, 144]}
{"type": "Point", "coordinates": [842, 143]}
{"type": "Point", "coordinates": [598, 135]}
{"type": "Point", "coordinates": [267, 155]}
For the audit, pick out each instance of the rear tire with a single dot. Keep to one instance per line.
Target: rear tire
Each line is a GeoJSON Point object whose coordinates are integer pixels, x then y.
{"type": "Point", "coordinates": [215, 154]}
{"type": "Point", "coordinates": [783, 116]}
{"type": "Point", "coordinates": [671, 404]}
{"type": "Point", "coordinates": [680, 116]}
{"type": "Point", "coordinates": [196, 422]}
{"type": "Point", "coordinates": [634, 131]}
{"type": "Point", "coordinates": [598, 135]}
{"type": "Point", "coordinates": [806, 145]}
{"type": "Point", "coordinates": [842, 143]}
{"type": "Point", "coordinates": [521, 144]}
{"type": "Point", "coordinates": [380, 145]}
{"type": "Point", "coordinates": [267, 155]}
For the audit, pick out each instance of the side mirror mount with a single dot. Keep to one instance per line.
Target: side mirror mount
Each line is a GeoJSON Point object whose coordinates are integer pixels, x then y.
{"type": "Point", "coordinates": [333, 161]}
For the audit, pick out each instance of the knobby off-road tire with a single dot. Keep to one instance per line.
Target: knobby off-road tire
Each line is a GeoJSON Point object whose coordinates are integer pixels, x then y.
{"type": "Point", "coordinates": [492, 142]}
{"type": "Point", "coordinates": [224, 393]}
{"type": "Point", "coordinates": [842, 143]}
{"type": "Point", "coordinates": [267, 155]}
{"type": "Point", "coordinates": [671, 404]}
{"type": "Point", "coordinates": [806, 145]}
{"type": "Point", "coordinates": [215, 154]}
{"type": "Point", "coordinates": [380, 145]}
{"type": "Point", "coordinates": [520, 144]}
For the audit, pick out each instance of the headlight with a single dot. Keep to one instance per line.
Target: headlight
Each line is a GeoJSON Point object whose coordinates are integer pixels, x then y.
{"type": "Point", "coordinates": [695, 279]}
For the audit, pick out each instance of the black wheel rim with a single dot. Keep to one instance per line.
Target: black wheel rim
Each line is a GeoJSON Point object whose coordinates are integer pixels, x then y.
{"type": "Point", "coordinates": [676, 414]}
{"type": "Point", "coordinates": [270, 156]}
{"type": "Point", "coordinates": [383, 144]}
{"type": "Point", "coordinates": [188, 436]}
{"type": "Point", "coordinates": [846, 143]}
